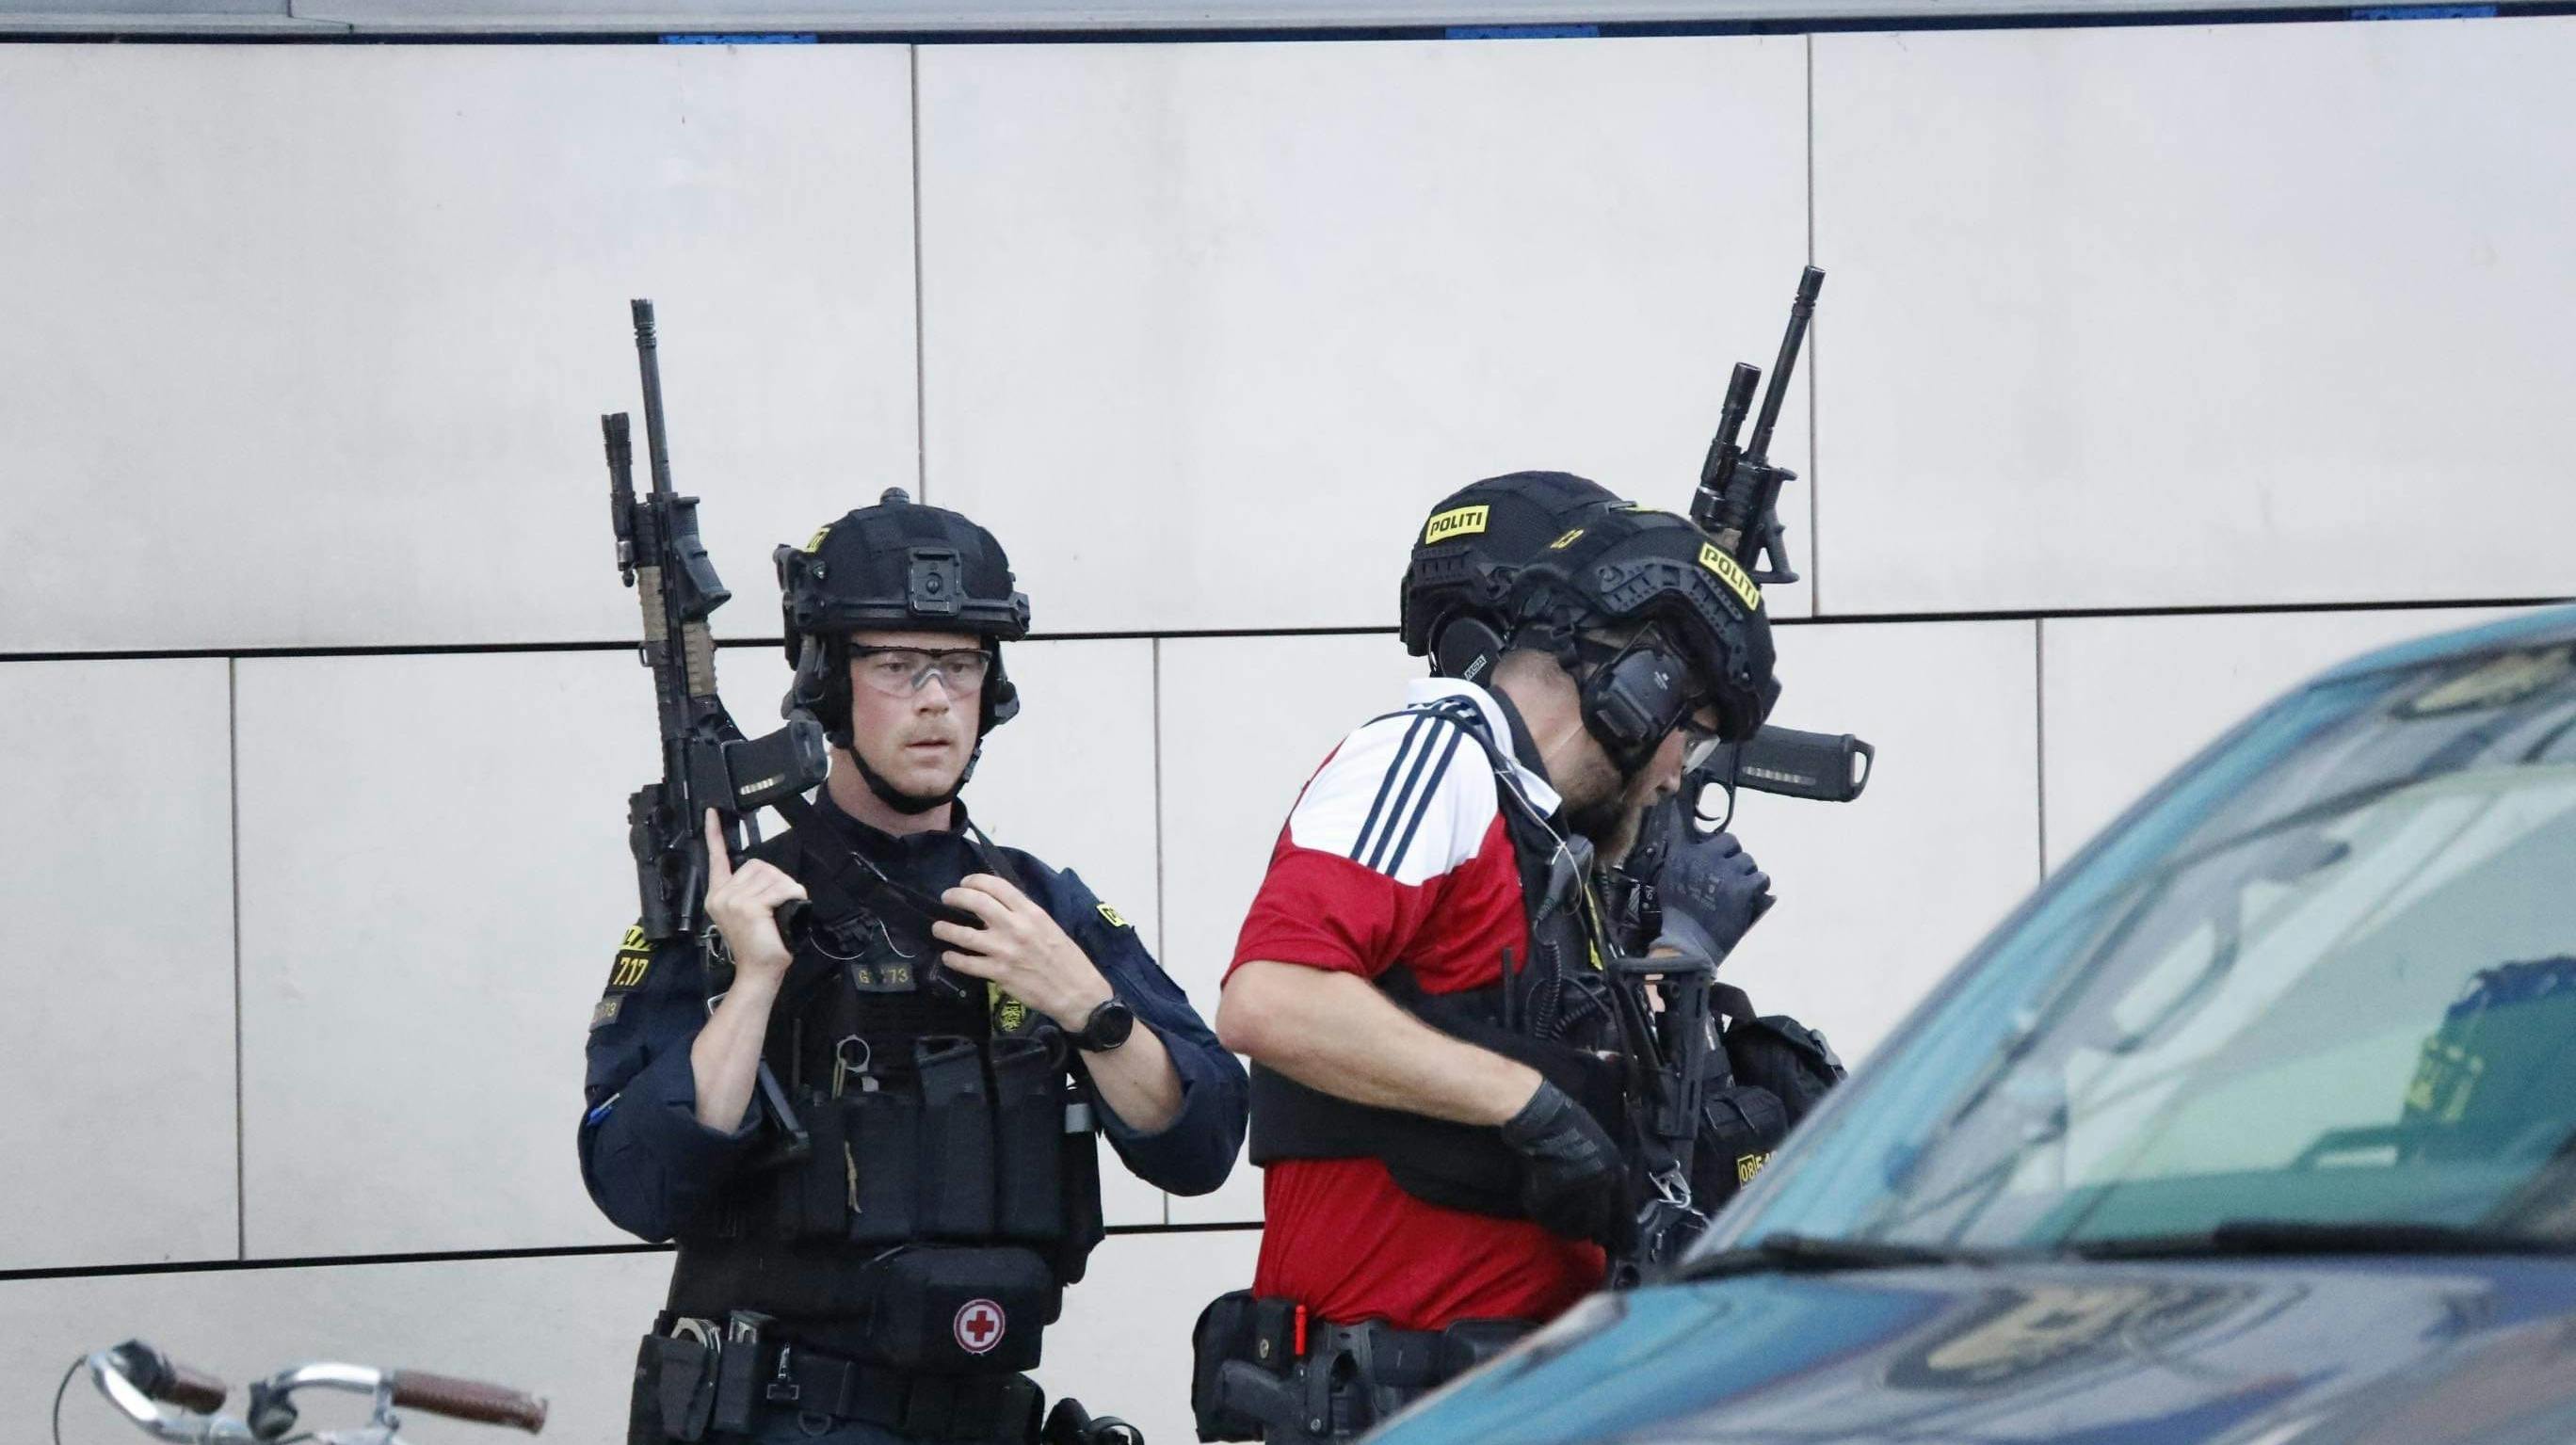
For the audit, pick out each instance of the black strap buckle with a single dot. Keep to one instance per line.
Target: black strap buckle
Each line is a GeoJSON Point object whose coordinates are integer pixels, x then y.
{"type": "Point", "coordinates": [783, 1389]}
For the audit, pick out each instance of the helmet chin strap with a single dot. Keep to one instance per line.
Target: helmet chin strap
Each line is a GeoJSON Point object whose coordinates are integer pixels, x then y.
{"type": "Point", "coordinates": [912, 804]}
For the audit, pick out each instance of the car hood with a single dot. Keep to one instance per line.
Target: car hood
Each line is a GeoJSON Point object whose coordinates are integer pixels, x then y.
{"type": "Point", "coordinates": [2391, 1352]}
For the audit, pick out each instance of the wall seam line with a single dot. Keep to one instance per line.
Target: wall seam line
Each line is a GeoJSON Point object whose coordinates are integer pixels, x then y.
{"type": "Point", "coordinates": [479, 1256]}
{"type": "Point", "coordinates": [920, 367]}
{"type": "Point", "coordinates": [1815, 359]}
{"type": "Point", "coordinates": [1162, 907]}
{"type": "Point", "coordinates": [2039, 720]}
{"type": "Point", "coordinates": [1843, 619]}
{"type": "Point", "coordinates": [232, 782]}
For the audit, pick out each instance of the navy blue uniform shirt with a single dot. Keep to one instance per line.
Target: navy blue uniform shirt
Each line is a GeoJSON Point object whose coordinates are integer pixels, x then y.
{"type": "Point", "coordinates": [651, 1165]}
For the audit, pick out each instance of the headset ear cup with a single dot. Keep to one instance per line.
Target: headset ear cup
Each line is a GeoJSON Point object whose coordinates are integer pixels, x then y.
{"type": "Point", "coordinates": [1467, 648]}
{"type": "Point", "coordinates": [822, 686]}
{"type": "Point", "coordinates": [1001, 696]}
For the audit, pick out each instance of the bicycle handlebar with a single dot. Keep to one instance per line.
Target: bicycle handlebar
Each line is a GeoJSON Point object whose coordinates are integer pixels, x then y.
{"type": "Point", "coordinates": [135, 1377]}
{"type": "Point", "coordinates": [467, 1400]}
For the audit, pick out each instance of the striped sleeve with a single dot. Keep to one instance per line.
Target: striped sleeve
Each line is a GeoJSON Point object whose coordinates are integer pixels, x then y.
{"type": "Point", "coordinates": [1398, 808]}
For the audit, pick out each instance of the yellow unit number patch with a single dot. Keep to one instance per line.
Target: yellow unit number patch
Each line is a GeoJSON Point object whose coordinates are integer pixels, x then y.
{"type": "Point", "coordinates": [1461, 522]}
{"type": "Point", "coordinates": [634, 958]}
{"type": "Point", "coordinates": [1729, 573]}
{"type": "Point", "coordinates": [1116, 919]}
{"type": "Point", "coordinates": [1748, 1165]}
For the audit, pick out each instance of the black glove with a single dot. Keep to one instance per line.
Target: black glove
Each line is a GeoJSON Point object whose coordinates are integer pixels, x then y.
{"type": "Point", "coordinates": [1710, 891]}
{"type": "Point", "coordinates": [1572, 1183]}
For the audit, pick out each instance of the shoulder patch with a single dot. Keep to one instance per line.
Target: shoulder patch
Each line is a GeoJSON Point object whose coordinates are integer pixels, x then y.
{"type": "Point", "coordinates": [633, 960]}
{"type": "Point", "coordinates": [1116, 919]}
{"type": "Point", "coordinates": [605, 1011]}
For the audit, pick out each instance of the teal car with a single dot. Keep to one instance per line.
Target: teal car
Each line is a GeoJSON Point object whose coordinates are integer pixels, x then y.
{"type": "Point", "coordinates": [2256, 1124]}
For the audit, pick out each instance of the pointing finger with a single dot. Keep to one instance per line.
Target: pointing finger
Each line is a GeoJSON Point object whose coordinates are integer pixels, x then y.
{"type": "Point", "coordinates": [719, 862]}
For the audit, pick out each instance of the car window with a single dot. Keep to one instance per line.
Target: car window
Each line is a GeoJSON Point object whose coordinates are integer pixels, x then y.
{"type": "Point", "coordinates": [2331, 977]}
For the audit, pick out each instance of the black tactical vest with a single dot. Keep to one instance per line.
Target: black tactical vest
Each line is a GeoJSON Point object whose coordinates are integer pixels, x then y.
{"type": "Point", "coordinates": [1551, 1011]}
{"type": "Point", "coordinates": [949, 1177]}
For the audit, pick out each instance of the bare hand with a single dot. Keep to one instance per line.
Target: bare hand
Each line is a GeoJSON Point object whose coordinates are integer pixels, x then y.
{"type": "Point", "coordinates": [743, 904]}
{"type": "Point", "coordinates": [1021, 948]}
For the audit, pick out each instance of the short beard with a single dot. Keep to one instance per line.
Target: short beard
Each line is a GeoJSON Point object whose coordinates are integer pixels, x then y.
{"type": "Point", "coordinates": [1609, 823]}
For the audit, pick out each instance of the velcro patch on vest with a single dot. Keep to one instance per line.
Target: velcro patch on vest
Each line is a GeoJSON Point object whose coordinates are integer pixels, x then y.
{"type": "Point", "coordinates": [979, 1326]}
{"type": "Point", "coordinates": [605, 1011]}
{"type": "Point", "coordinates": [1010, 1016]}
{"type": "Point", "coordinates": [1748, 1165]}
{"type": "Point", "coordinates": [1116, 918]}
{"type": "Point", "coordinates": [634, 959]}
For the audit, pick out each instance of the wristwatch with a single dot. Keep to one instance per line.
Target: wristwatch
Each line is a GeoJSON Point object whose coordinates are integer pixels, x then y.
{"type": "Point", "coordinates": [1107, 1027]}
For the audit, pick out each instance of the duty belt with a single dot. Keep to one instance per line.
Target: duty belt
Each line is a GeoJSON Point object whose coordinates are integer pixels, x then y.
{"type": "Point", "coordinates": [920, 1407]}
{"type": "Point", "coordinates": [770, 1376]}
{"type": "Point", "coordinates": [1342, 1380]}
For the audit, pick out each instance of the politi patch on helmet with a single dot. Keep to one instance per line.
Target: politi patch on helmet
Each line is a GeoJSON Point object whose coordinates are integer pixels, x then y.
{"type": "Point", "coordinates": [1459, 522]}
{"type": "Point", "coordinates": [979, 1326]}
{"type": "Point", "coordinates": [815, 542]}
{"type": "Point", "coordinates": [1731, 574]}
{"type": "Point", "coordinates": [1561, 543]}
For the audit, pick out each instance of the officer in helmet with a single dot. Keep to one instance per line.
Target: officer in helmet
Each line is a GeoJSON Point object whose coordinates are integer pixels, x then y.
{"type": "Point", "coordinates": [876, 1146]}
{"type": "Point", "coordinates": [1419, 981]}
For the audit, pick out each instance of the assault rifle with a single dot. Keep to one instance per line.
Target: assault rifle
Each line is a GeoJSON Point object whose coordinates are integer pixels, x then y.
{"type": "Point", "coordinates": [1666, 1004]}
{"type": "Point", "coordinates": [1738, 503]}
{"type": "Point", "coordinates": [706, 760]}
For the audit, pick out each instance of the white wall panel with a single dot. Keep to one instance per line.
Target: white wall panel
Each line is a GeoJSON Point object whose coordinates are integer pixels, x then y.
{"type": "Point", "coordinates": [307, 344]}
{"type": "Point", "coordinates": [562, 1328]}
{"type": "Point", "coordinates": [1221, 321]}
{"type": "Point", "coordinates": [1879, 897]}
{"type": "Point", "coordinates": [2130, 698]}
{"type": "Point", "coordinates": [1123, 1345]}
{"type": "Point", "coordinates": [1246, 721]}
{"type": "Point", "coordinates": [2129, 317]}
{"type": "Point", "coordinates": [1071, 779]}
{"type": "Point", "coordinates": [434, 877]}
{"type": "Point", "coordinates": [116, 927]}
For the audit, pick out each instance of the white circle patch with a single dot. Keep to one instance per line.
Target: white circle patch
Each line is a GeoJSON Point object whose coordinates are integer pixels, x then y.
{"type": "Point", "coordinates": [979, 1326]}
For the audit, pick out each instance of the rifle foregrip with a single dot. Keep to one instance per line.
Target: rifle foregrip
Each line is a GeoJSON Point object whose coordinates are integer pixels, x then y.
{"type": "Point", "coordinates": [1827, 767]}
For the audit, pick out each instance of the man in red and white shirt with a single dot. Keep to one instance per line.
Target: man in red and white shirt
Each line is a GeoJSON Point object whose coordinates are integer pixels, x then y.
{"type": "Point", "coordinates": [1398, 867]}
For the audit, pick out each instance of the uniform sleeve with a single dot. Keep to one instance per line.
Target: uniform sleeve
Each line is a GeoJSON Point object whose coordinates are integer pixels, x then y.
{"type": "Point", "coordinates": [1380, 828]}
{"type": "Point", "coordinates": [649, 1164]}
{"type": "Point", "coordinates": [1193, 1153]}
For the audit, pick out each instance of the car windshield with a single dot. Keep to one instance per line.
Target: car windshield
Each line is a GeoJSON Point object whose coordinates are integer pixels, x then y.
{"type": "Point", "coordinates": [2326, 976]}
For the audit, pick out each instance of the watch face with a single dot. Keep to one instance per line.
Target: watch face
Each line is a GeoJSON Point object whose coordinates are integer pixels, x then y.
{"type": "Point", "coordinates": [1108, 1026]}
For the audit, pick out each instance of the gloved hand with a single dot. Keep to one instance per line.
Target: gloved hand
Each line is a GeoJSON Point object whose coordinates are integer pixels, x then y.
{"type": "Point", "coordinates": [1710, 891]}
{"type": "Point", "coordinates": [1572, 1185]}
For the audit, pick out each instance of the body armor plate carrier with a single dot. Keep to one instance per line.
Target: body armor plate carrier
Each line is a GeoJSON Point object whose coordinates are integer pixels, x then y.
{"type": "Point", "coordinates": [1551, 1013]}
{"type": "Point", "coordinates": [951, 1187]}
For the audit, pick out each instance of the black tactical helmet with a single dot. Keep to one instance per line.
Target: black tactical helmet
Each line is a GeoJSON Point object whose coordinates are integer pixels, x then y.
{"type": "Point", "coordinates": [897, 565]}
{"type": "Point", "coordinates": [1539, 559]}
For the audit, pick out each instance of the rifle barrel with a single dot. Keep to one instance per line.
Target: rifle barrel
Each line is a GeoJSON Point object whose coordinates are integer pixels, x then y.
{"type": "Point", "coordinates": [648, 359]}
{"type": "Point", "coordinates": [1810, 282]}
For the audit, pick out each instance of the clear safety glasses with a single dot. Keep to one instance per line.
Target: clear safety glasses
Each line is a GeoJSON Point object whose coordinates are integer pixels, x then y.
{"type": "Point", "coordinates": [903, 671]}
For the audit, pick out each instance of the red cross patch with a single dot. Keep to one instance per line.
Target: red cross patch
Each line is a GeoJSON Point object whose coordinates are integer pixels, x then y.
{"type": "Point", "coordinates": [979, 1327]}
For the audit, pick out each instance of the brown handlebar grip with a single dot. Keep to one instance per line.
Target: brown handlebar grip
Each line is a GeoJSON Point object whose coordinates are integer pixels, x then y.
{"type": "Point", "coordinates": [468, 1400]}
{"type": "Point", "coordinates": [192, 1390]}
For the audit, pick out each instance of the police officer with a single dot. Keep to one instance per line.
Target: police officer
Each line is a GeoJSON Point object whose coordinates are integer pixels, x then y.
{"type": "Point", "coordinates": [1420, 980]}
{"type": "Point", "coordinates": [875, 1144]}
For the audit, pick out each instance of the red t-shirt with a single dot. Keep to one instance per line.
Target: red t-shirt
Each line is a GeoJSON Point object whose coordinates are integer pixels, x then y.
{"type": "Point", "coordinates": [1396, 853]}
